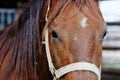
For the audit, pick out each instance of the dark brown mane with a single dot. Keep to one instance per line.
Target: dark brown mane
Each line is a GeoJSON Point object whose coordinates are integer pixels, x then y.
{"type": "Point", "coordinates": [20, 44]}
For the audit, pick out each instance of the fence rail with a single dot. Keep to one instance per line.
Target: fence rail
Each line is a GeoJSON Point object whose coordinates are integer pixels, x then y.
{"type": "Point", "coordinates": [6, 17]}
{"type": "Point", "coordinates": [111, 53]}
{"type": "Point", "coordinates": [112, 39]}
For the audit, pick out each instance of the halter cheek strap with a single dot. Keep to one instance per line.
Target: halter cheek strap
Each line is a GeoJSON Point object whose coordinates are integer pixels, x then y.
{"type": "Point", "coordinates": [58, 73]}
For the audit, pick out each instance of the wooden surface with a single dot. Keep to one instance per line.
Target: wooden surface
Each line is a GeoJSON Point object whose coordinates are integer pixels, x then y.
{"type": "Point", "coordinates": [111, 65]}
{"type": "Point", "coordinates": [111, 59]}
{"type": "Point", "coordinates": [111, 53]}
{"type": "Point", "coordinates": [111, 50]}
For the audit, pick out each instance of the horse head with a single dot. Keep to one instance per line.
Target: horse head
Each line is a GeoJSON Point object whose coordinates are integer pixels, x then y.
{"type": "Point", "coordinates": [73, 35]}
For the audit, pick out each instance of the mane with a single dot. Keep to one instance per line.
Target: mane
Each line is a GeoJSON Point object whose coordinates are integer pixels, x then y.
{"type": "Point", "coordinates": [20, 44]}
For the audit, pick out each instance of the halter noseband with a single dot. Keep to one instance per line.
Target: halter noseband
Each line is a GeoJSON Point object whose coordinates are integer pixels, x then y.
{"type": "Point", "coordinates": [58, 73]}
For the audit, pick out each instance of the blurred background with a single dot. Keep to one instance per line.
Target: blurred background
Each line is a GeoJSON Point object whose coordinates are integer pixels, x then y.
{"type": "Point", "coordinates": [111, 44]}
{"type": "Point", "coordinates": [10, 10]}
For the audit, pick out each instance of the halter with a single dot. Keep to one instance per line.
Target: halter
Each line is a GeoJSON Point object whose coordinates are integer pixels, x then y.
{"type": "Point", "coordinates": [58, 73]}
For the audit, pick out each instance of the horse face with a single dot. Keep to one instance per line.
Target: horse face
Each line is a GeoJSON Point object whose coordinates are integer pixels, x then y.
{"type": "Point", "coordinates": [75, 35]}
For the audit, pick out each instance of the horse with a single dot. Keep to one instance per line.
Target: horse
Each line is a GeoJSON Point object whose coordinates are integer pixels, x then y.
{"type": "Point", "coordinates": [53, 39]}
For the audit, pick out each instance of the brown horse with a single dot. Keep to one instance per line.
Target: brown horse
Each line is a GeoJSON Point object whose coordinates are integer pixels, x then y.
{"type": "Point", "coordinates": [73, 31]}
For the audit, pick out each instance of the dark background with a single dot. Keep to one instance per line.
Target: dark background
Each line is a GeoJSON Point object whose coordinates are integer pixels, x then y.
{"type": "Point", "coordinates": [11, 3]}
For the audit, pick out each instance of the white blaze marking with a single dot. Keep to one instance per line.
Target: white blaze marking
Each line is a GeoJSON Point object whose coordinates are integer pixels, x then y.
{"type": "Point", "coordinates": [84, 22]}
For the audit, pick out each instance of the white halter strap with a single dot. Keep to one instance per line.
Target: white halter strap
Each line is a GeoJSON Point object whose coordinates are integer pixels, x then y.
{"type": "Point", "coordinates": [58, 73]}
{"type": "Point", "coordinates": [48, 8]}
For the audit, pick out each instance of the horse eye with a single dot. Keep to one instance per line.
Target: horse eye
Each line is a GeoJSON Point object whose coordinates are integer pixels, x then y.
{"type": "Point", "coordinates": [54, 34]}
{"type": "Point", "coordinates": [104, 34]}
{"type": "Point", "coordinates": [102, 37]}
